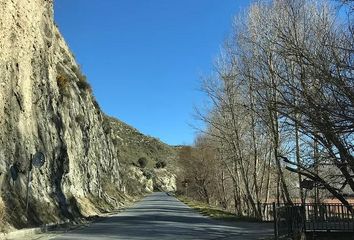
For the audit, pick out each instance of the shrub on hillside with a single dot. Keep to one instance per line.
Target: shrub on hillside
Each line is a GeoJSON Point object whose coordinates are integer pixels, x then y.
{"type": "Point", "coordinates": [96, 105]}
{"type": "Point", "coordinates": [62, 83]}
{"type": "Point", "coordinates": [115, 141]}
{"type": "Point", "coordinates": [84, 86]}
{"type": "Point", "coordinates": [78, 73]}
{"type": "Point", "coordinates": [80, 119]}
{"type": "Point", "coordinates": [142, 162]}
{"type": "Point", "coordinates": [148, 174]}
{"type": "Point", "coordinates": [161, 164]}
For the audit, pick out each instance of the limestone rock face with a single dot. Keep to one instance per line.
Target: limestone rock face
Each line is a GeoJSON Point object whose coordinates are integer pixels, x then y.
{"type": "Point", "coordinates": [164, 180]}
{"type": "Point", "coordinates": [46, 105]}
{"type": "Point", "coordinates": [135, 181]}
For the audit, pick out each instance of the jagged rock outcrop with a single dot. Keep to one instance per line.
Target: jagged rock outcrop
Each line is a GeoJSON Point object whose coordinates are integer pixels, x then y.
{"type": "Point", "coordinates": [135, 180]}
{"type": "Point", "coordinates": [165, 180]}
{"type": "Point", "coordinates": [47, 105]}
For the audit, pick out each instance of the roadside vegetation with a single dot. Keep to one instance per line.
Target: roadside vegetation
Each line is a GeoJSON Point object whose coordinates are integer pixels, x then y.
{"type": "Point", "coordinates": [212, 211]}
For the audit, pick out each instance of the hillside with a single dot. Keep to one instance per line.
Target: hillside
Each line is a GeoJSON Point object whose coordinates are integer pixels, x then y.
{"type": "Point", "coordinates": [133, 145]}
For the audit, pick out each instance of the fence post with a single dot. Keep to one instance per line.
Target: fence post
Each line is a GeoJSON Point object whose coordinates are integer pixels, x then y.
{"type": "Point", "coordinates": [303, 208]}
{"type": "Point", "coordinates": [275, 215]}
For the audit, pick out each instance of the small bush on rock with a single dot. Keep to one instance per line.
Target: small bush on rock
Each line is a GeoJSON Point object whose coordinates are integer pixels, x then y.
{"type": "Point", "coordinates": [84, 86]}
{"type": "Point", "coordinates": [96, 105]}
{"type": "Point", "coordinates": [161, 164]}
{"type": "Point", "coordinates": [62, 82]}
{"type": "Point", "coordinates": [80, 119]}
{"type": "Point", "coordinates": [142, 162]}
{"type": "Point", "coordinates": [147, 174]}
{"type": "Point", "coordinates": [78, 73]}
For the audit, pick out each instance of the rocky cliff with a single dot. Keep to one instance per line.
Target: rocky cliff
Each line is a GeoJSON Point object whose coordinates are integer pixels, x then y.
{"type": "Point", "coordinates": [133, 145]}
{"type": "Point", "coordinates": [47, 105]}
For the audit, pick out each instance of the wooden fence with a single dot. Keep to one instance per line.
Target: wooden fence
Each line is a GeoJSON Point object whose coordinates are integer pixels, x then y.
{"type": "Point", "coordinates": [292, 220]}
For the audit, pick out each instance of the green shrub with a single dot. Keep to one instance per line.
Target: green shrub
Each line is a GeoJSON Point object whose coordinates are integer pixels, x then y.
{"type": "Point", "coordinates": [142, 162]}
{"type": "Point", "coordinates": [115, 141]}
{"type": "Point", "coordinates": [78, 73]}
{"type": "Point", "coordinates": [106, 127]}
{"type": "Point", "coordinates": [84, 86]}
{"type": "Point", "coordinates": [82, 83]}
{"type": "Point", "coordinates": [96, 105]}
{"type": "Point", "coordinates": [161, 164]}
{"type": "Point", "coordinates": [80, 119]}
{"type": "Point", "coordinates": [147, 174]}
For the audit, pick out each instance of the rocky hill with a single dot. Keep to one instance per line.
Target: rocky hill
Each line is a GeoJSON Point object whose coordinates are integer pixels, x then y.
{"type": "Point", "coordinates": [133, 145]}
{"type": "Point", "coordinates": [46, 105]}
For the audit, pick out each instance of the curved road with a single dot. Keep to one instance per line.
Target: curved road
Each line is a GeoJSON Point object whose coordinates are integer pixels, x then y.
{"type": "Point", "coordinates": [159, 216]}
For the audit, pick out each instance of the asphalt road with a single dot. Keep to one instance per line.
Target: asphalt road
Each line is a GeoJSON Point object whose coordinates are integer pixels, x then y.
{"type": "Point", "coordinates": [159, 216]}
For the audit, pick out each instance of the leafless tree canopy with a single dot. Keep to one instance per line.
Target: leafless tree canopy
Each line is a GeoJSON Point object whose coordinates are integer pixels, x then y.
{"type": "Point", "coordinates": [282, 108]}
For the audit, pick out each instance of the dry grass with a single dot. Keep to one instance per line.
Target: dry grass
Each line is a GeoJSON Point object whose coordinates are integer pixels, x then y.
{"type": "Point", "coordinates": [214, 212]}
{"type": "Point", "coordinates": [62, 82]}
{"type": "Point", "coordinates": [82, 84]}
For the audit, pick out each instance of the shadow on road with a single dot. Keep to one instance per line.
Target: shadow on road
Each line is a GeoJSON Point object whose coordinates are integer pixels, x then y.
{"type": "Point", "coordinates": [160, 216]}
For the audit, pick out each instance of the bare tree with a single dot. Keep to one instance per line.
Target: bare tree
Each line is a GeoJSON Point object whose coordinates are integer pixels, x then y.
{"type": "Point", "coordinates": [282, 97]}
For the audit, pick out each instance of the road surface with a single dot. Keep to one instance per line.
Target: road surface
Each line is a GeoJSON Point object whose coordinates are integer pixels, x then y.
{"type": "Point", "coordinates": [159, 216]}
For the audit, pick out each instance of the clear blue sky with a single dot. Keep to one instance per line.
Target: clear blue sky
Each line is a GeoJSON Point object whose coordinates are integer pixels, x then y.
{"type": "Point", "coordinates": [144, 58]}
